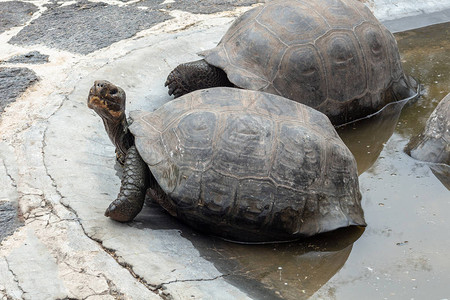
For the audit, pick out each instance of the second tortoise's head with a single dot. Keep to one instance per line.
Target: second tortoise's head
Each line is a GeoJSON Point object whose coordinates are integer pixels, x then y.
{"type": "Point", "coordinates": [107, 100]}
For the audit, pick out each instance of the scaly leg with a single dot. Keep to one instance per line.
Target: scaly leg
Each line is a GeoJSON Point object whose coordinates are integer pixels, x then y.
{"type": "Point", "coordinates": [194, 76]}
{"type": "Point", "coordinates": [130, 199]}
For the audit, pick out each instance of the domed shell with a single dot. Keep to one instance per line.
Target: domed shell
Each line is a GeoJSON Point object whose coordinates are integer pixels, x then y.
{"type": "Point", "coordinates": [332, 55]}
{"type": "Point", "coordinates": [250, 166]}
{"type": "Point", "coordinates": [433, 144]}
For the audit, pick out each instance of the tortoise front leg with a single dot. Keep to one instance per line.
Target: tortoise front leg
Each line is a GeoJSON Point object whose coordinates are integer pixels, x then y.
{"type": "Point", "coordinates": [196, 75]}
{"type": "Point", "coordinates": [130, 199]}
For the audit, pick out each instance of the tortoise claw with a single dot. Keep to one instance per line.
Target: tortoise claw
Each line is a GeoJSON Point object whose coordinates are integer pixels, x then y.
{"type": "Point", "coordinates": [119, 211]}
{"type": "Point", "coordinates": [172, 87]}
{"type": "Point", "coordinates": [176, 84]}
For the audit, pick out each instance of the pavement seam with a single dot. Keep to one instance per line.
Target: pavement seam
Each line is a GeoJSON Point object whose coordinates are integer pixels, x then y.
{"type": "Point", "coordinates": [16, 280]}
{"type": "Point", "coordinates": [192, 280]}
{"type": "Point", "coordinates": [13, 181]}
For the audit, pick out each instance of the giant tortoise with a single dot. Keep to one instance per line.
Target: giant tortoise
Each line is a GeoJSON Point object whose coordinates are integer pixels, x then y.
{"type": "Point", "coordinates": [244, 165]}
{"type": "Point", "coordinates": [332, 55]}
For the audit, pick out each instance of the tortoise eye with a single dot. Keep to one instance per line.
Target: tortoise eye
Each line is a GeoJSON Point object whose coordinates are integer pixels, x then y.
{"type": "Point", "coordinates": [113, 91]}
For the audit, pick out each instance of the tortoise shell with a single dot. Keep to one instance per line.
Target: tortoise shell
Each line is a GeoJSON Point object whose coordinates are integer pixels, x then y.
{"type": "Point", "coordinates": [250, 166]}
{"type": "Point", "coordinates": [332, 55]}
{"type": "Point", "coordinates": [433, 144]}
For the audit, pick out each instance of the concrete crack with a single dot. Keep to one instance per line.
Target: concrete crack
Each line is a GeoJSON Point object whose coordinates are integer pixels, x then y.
{"type": "Point", "coordinates": [127, 266]}
{"type": "Point", "coordinates": [161, 287]}
{"type": "Point", "coordinates": [13, 181]}
{"type": "Point", "coordinates": [16, 280]}
{"type": "Point", "coordinates": [112, 289]}
{"type": "Point", "coordinates": [192, 280]}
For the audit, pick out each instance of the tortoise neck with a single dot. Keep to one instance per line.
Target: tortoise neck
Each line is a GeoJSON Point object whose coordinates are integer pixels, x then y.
{"type": "Point", "coordinates": [119, 134]}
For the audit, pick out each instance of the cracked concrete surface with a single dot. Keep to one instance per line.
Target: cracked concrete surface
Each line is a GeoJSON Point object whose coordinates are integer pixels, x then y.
{"type": "Point", "coordinates": [58, 167]}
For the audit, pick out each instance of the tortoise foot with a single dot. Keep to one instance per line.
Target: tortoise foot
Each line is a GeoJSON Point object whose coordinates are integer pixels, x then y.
{"type": "Point", "coordinates": [195, 75]}
{"type": "Point", "coordinates": [120, 210]}
{"type": "Point", "coordinates": [176, 84]}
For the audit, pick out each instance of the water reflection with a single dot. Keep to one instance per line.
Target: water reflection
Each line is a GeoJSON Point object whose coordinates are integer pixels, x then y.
{"type": "Point", "coordinates": [367, 137]}
{"type": "Point", "coordinates": [425, 55]}
{"type": "Point", "coordinates": [442, 172]}
{"type": "Point", "coordinates": [293, 270]}
{"type": "Point", "coordinates": [284, 271]}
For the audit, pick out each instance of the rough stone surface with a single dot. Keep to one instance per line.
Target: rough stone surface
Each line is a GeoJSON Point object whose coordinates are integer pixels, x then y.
{"type": "Point", "coordinates": [8, 218]}
{"type": "Point", "coordinates": [13, 82]}
{"type": "Point", "coordinates": [15, 13]}
{"type": "Point", "coordinates": [198, 6]}
{"type": "Point", "coordinates": [84, 27]}
{"type": "Point", "coordinates": [33, 57]}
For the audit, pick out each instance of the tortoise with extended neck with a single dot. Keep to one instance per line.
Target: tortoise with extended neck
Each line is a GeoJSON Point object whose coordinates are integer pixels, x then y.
{"type": "Point", "coordinates": [332, 55]}
{"type": "Point", "coordinates": [244, 165]}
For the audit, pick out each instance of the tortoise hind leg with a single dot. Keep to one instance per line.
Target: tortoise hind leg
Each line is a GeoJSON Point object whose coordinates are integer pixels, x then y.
{"type": "Point", "coordinates": [194, 76]}
{"type": "Point", "coordinates": [131, 197]}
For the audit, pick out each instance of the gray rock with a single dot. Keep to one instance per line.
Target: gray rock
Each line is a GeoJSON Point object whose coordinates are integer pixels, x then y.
{"type": "Point", "coordinates": [13, 82]}
{"type": "Point", "coordinates": [8, 219]}
{"type": "Point", "coordinates": [15, 13]}
{"type": "Point", "coordinates": [199, 6]}
{"type": "Point", "coordinates": [85, 27]}
{"type": "Point", "coordinates": [33, 57]}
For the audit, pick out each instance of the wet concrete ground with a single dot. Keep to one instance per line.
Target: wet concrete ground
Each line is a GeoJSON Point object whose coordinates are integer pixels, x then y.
{"type": "Point", "coordinates": [57, 165]}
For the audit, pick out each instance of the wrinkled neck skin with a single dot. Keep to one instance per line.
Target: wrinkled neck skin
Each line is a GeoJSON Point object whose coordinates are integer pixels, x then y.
{"type": "Point", "coordinates": [119, 134]}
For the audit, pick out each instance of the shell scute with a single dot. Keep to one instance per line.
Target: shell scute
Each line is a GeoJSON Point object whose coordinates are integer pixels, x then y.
{"type": "Point", "coordinates": [375, 52]}
{"type": "Point", "coordinates": [339, 14]}
{"type": "Point", "coordinates": [256, 198]}
{"type": "Point", "coordinates": [244, 145]}
{"type": "Point", "coordinates": [218, 193]}
{"type": "Point", "coordinates": [298, 162]}
{"type": "Point", "coordinates": [298, 25]}
{"type": "Point", "coordinates": [302, 73]}
{"type": "Point", "coordinates": [262, 51]}
{"type": "Point", "coordinates": [190, 142]}
{"type": "Point", "coordinates": [344, 65]}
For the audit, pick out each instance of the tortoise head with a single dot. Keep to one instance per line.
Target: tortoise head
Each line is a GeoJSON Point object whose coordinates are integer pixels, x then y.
{"type": "Point", "coordinates": [107, 100]}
